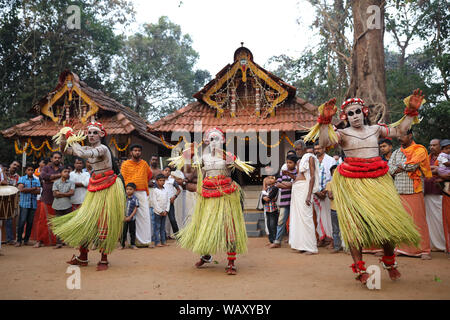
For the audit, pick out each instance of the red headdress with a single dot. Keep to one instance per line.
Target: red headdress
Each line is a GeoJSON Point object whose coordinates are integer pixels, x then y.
{"type": "Point", "coordinates": [214, 130]}
{"type": "Point", "coordinates": [98, 126]}
{"type": "Point", "coordinates": [351, 101]}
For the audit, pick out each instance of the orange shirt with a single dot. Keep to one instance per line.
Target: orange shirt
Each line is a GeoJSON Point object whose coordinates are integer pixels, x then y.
{"type": "Point", "coordinates": [137, 172]}
{"type": "Point", "coordinates": [417, 154]}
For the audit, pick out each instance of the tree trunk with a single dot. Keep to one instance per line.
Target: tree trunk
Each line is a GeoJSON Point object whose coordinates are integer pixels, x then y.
{"type": "Point", "coordinates": [367, 79]}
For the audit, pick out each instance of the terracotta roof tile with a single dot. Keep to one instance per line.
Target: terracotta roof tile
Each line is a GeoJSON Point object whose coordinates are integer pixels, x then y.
{"type": "Point", "coordinates": [294, 115]}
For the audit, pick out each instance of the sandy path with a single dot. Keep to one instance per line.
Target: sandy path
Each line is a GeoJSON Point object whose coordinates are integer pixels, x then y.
{"type": "Point", "coordinates": [168, 273]}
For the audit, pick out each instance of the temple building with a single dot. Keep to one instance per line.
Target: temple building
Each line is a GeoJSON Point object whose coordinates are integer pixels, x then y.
{"type": "Point", "coordinates": [258, 111]}
{"type": "Point", "coordinates": [74, 103]}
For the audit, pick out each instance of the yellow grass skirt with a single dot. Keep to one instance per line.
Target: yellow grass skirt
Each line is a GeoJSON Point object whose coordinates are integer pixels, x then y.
{"type": "Point", "coordinates": [217, 225]}
{"type": "Point", "coordinates": [97, 223]}
{"type": "Point", "coordinates": [370, 212]}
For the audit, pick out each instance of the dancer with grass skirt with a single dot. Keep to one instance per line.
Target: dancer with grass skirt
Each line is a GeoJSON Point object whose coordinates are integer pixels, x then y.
{"type": "Point", "coordinates": [369, 208]}
{"type": "Point", "coordinates": [217, 223]}
{"type": "Point", "coordinates": [98, 222]}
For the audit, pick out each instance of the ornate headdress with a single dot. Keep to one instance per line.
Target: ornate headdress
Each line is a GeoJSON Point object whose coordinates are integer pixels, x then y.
{"type": "Point", "coordinates": [97, 125]}
{"type": "Point", "coordinates": [351, 101]}
{"type": "Point", "coordinates": [211, 131]}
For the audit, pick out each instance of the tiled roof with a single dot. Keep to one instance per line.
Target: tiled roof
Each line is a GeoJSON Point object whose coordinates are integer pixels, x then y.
{"type": "Point", "coordinates": [116, 118]}
{"type": "Point", "coordinates": [42, 127]}
{"type": "Point", "coordinates": [295, 114]}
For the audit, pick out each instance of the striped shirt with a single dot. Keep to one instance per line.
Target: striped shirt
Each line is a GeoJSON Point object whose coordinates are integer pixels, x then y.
{"type": "Point", "coordinates": [403, 183]}
{"type": "Point", "coordinates": [285, 194]}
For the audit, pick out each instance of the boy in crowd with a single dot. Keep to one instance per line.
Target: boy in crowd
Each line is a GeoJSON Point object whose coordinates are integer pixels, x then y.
{"type": "Point", "coordinates": [337, 246]}
{"type": "Point", "coordinates": [284, 183]}
{"type": "Point", "coordinates": [161, 205]}
{"type": "Point", "coordinates": [173, 190]}
{"type": "Point", "coordinates": [271, 208]}
{"type": "Point", "coordinates": [62, 189]}
{"type": "Point", "coordinates": [29, 188]}
{"type": "Point", "coordinates": [130, 216]}
{"type": "Point", "coordinates": [81, 180]}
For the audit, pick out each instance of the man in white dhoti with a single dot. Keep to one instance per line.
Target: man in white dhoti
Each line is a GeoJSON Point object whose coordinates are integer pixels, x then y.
{"type": "Point", "coordinates": [433, 200]}
{"type": "Point", "coordinates": [138, 171]}
{"type": "Point", "coordinates": [321, 201]}
{"type": "Point", "coordinates": [302, 235]}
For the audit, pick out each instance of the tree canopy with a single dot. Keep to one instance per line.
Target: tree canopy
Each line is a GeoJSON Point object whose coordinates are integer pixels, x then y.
{"type": "Point", "coordinates": [151, 71]}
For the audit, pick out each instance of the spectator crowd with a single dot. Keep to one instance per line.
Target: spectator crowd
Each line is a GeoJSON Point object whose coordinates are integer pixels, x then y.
{"type": "Point", "coordinates": [159, 200]}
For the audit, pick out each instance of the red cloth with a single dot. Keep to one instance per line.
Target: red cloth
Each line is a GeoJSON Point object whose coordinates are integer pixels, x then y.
{"type": "Point", "coordinates": [363, 168]}
{"type": "Point", "coordinates": [43, 232]}
{"type": "Point", "coordinates": [101, 181]}
{"type": "Point", "coordinates": [446, 220]}
{"type": "Point", "coordinates": [414, 204]}
{"type": "Point", "coordinates": [214, 187]}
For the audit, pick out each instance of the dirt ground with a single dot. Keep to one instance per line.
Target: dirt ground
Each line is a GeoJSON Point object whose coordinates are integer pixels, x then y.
{"type": "Point", "coordinates": [168, 273]}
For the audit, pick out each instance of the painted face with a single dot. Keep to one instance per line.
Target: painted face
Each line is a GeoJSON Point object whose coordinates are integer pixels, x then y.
{"type": "Point", "coordinates": [94, 135]}
{"type": "Point", "coordinates": [355, 115]}
{"type": "Point", "coordinates": [215, 140]}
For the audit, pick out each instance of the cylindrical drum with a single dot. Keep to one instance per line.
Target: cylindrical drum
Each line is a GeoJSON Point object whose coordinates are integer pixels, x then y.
{"type": "Point", "coordinates": [9, 201]}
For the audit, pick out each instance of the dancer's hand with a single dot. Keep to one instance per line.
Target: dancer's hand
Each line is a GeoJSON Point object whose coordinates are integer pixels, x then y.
{"type": "Point", "coordinates": [329, 109]}
{"type": "Point", "coordinates": [416, 100]}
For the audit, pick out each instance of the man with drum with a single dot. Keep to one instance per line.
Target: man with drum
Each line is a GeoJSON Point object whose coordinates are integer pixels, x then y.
{"type": "Point", "coordinates": [9, 177]}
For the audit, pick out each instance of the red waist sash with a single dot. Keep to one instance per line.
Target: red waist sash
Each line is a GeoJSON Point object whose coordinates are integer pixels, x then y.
{"type": "Point", "coordinates": [213, 187]}
{"type": "Point", "coordinates": [363, 168]}
{"type": "Point", "coordinates": [101, 181]}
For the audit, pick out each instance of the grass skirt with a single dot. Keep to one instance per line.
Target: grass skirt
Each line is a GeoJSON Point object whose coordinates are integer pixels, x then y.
{"type": "Point", "coordinates": [370, 212]}
{"type": "Point", "coordinates": [217, 225]}
{"type": "Point", "coordinates": [97, 223]}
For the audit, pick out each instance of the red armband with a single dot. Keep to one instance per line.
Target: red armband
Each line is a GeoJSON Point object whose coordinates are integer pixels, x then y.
{"type": "Point", "coordinates": [411, 112]}
{"type": "Point", "coordinates": [324, 120]}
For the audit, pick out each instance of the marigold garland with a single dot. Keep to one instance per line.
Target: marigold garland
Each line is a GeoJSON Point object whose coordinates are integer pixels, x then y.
{"type": "Point", "coordinates": [172, 146]}
{"type": "Point", "coordinates": [113, 140]}
{"type": "Point", "coordinates": [33, 148]}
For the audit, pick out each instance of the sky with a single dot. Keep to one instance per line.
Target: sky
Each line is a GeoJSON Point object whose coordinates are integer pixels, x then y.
{"type": "Point", "coordinates": [217, 27]}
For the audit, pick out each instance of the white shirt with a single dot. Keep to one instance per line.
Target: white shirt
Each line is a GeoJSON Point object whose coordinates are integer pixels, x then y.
{"type": "Point", "coordinates": [80, 192]}
{"type": "Point", "coordinates": [160, 200]}
{"type": "Point", "coordinates": [169, 187]}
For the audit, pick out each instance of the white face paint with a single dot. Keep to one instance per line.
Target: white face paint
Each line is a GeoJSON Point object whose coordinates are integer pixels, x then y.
{"type": "Point", "coordinates": [355, 115]}
{"type": "Point", "coordinates": [215, 141]}
{"type": "Point", "coordinates": [94, 135]}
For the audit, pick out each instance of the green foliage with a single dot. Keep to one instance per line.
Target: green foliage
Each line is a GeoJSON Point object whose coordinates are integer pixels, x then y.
{"type": "Point", "coordinates": [317, 73]}
{"type": "Point", "coordinates": [36, 46]}
{"type": "Point", "coordinates": [434, 124]}
{"type": "Point", "coordinates": [156, 73]}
